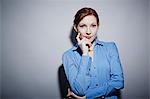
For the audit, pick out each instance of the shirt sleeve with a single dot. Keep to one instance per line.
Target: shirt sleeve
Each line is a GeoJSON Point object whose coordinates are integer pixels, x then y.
{"type": "Point", "coordinates": [116, 81]}
{"type": "Point", "coordinates": [76, 72]}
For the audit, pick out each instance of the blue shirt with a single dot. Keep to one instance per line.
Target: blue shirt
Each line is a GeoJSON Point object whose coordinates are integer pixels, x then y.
{"type": "Point", "coordinates": [102, 76]}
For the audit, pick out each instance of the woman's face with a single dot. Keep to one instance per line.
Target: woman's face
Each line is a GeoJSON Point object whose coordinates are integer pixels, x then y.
{"type": "Point", "coordinates": [88, 27]}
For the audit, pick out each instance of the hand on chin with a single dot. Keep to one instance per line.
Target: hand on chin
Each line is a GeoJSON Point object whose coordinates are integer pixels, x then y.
{"type": "Point", "coordinates": [92, 38]}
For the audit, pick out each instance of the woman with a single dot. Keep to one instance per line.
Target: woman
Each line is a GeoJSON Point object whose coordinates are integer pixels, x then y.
{"type": "Point", "coordinates": [92, 67]}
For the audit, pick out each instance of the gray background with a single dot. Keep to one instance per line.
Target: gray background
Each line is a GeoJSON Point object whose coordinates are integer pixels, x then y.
{"type": "Point", "coordinates": [149, 47]}
{"type": "Point", "coordinates": [0, 44]}
{"type": "Point", "coordinates": [35, 33]}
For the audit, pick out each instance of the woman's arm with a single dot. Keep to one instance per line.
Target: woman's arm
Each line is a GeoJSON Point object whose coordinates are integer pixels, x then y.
{"type": "Point", "coordinates": [117, 80]}
{"type": "Point", "coordinates": [76, 72]}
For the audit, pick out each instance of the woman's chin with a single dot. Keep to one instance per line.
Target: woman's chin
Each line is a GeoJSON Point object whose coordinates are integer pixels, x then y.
{"type": "Point", "coordinates": [92, 40]}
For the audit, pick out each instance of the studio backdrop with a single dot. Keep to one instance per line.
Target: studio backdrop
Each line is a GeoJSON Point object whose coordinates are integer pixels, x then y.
{"type": "Point", "coordinates": [35, 34]}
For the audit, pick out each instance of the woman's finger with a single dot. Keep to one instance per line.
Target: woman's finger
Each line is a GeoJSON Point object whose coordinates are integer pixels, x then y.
{"type": "Point", "coordinates": [88, 42]}
{"type": "Point", "coordinates": [78, 97]}
{"type": "Point", "coordinates": [69, 92]}
{"type": "Point", "coordinates": [78, 37]}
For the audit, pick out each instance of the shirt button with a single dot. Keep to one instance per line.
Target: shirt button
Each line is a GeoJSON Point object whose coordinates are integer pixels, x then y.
{"type": "Point", "coordinates": [94, 67]}
{"type": "Point", "coordinates": [89, 69]}
{"type": "Point", "coordinates": [96, 84]}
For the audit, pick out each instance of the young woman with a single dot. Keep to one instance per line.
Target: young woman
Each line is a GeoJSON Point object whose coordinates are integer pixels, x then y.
{"type": "Point", "coordinates": [92, 67]}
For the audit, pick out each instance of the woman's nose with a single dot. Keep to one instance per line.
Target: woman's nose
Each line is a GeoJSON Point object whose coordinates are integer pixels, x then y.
{"type": "Point", "coordinates": [88, 32]}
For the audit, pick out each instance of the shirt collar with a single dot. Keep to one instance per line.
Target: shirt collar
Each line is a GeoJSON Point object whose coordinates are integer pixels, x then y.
{"type": "Point", "coordinates": [97, 42]}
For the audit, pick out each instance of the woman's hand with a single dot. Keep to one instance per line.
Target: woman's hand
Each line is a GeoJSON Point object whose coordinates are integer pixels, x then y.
{"type": "Point", "coordinates": [84, 44]}
{"type": "Point", "coordinates": [71, 95]}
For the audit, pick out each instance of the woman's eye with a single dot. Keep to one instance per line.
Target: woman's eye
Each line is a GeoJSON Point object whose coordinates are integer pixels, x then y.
{"type": "Point", "coordinates": [82, 25]}
{"type": "Point", "coordinates": [93, 25]}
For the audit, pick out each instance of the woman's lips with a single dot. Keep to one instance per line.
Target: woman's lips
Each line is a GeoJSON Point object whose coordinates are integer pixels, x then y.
{"type": "Point", "coordinates": [88, 37]}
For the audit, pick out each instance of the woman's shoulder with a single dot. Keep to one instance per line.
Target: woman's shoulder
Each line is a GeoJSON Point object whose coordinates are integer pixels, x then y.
{"type": "Point", "coordinates": [106, 43]}
{"type": "Point", "coordinates": [69, 51]}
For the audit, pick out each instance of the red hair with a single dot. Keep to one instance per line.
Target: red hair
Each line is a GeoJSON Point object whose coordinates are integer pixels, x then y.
{"type": "Point", "coordinates": [83, 13]}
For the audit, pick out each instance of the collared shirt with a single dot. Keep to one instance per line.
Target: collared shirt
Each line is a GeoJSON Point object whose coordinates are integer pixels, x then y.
{"type": "Point", "coordinates": [101, 77]}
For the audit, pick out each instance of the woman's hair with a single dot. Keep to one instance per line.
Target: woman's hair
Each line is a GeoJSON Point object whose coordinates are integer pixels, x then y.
{"type": "Point", "coordinates": [83, 13]}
